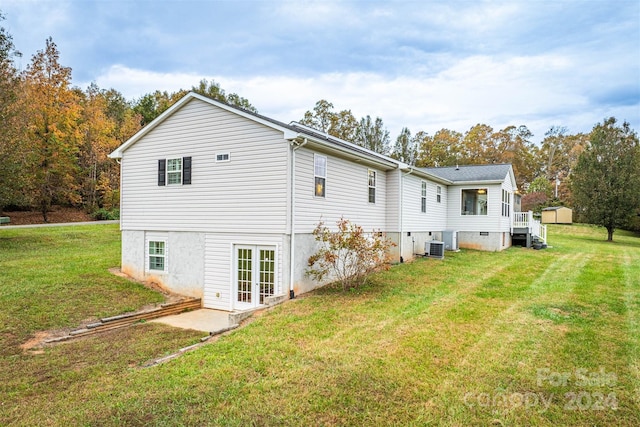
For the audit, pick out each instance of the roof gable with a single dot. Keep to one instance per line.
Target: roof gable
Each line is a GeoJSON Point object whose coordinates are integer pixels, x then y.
{"type": "Point", "coordinates": [288, 131]}
{"type": "Point", "coordinates": [474, 173]}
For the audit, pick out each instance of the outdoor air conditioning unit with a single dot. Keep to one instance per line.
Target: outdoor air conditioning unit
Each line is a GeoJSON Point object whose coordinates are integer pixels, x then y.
{"type": "Point", "coordinates": [434, 249]}
{"type": "Point", "coordinates": [450, 239]}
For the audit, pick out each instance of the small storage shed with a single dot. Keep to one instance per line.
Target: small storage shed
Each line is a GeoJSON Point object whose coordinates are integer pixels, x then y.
{"type": "Point", "coordinates": [557, 215]}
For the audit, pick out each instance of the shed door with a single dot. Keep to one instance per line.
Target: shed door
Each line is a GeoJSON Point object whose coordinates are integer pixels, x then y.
{"type": "Point", "coordinates": [255, 275]}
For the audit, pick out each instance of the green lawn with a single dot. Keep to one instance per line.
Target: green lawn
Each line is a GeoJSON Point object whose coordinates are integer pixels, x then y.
{"type": "Point", "coordinates": [520, 337]}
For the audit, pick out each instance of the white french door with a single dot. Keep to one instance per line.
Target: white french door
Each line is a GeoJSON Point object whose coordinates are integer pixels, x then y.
{"type": "Point", "coordinates": [255, 277]}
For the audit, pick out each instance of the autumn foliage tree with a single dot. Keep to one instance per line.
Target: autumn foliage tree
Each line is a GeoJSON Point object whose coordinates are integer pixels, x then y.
{"type": "Point", "coordinates": [52, 134]}
{"type": "Point", "coordinates": [348, 255]}
{"type": "Point", "coordinates": [11, 172]}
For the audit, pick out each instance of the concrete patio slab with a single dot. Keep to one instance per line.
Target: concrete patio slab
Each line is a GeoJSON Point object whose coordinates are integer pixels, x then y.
{"type": "Point", "coordinates": [205, 320]}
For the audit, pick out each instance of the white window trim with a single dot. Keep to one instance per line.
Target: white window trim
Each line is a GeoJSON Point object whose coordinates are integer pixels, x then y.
{"type": "Point", "coordinates": [148, 268]}
{"type": "Point", "coordinates": [178, 172]}
{"type": "Point", "coordinates": [423, 196]}
{"type": "Point", "coordinates": [317, 157]}
{"type": "Point", "coordinates": [506, 203]}
{"type": "Point", "coordinates": [462, 190]}
{"type": "Point", "coordinates": [375, 179]}
{"type": "Point", "coordinates": [438, 194]}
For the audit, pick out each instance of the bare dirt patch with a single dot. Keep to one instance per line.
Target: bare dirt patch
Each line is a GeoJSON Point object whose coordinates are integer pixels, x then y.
{"type": "Point", "coordinates": [57, 215]}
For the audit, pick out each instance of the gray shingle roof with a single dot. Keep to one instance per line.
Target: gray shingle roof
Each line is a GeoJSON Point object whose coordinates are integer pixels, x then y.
{"type": "Point", "coordinates": [471, 172]}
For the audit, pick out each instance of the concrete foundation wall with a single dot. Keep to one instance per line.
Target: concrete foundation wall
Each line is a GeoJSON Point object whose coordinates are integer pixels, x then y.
{"type": "Point", "coordinates": [184, 259]}
{"type": "Point", "coordinates": [494, 241]}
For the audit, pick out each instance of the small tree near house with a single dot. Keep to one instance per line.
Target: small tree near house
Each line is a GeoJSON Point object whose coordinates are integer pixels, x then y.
{"type": "Point", "coordinates": [349, 255]}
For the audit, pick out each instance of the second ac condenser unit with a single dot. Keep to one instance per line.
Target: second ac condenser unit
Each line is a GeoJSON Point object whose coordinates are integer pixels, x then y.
{"type": "Point", "coordinates": [434, 249]}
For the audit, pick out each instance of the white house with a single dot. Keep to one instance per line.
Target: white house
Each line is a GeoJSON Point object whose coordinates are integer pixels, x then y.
{"type": "Point", "coordinates": [220, 203]}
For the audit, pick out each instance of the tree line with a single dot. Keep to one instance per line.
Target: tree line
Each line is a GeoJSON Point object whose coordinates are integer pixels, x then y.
{"type": "Point", "coordinates": [56, 138]}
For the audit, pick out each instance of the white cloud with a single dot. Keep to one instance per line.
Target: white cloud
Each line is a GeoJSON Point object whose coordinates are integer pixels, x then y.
{"type": "Point", "coordinates": [133, 83]}
{"type": "Point", "coordinates": [478, 89]}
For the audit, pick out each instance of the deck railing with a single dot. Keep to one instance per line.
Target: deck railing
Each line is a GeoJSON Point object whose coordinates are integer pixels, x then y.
{"type": "Point", "coordinates": [526, 220]}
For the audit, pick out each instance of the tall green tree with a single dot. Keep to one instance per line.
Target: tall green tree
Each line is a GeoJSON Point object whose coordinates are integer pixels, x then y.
{"type": "Point", "coordinates": [214, 90]}
{"type": "Point", "coordinates": [53, 134]}
{"type": "Point", "coordinates": [11, 121]}
{"type": "Point", "coordinates": [405, 149]}
{"type": "Point", "coordinates": [373, 135]}
{"type": "Point", "coordinates": [320, 117]}
{"type": "Point", "coordinates": [606, 178]}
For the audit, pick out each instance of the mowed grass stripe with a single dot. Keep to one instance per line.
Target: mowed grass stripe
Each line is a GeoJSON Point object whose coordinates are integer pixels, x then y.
{"type": "Point", "coordinates": [404, 350]}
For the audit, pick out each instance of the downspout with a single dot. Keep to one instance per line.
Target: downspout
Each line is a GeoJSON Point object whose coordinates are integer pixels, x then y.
{"type": "Point", "coordinates": [402, 208]}
{"type": "Point", "coordinates": [292, 215]}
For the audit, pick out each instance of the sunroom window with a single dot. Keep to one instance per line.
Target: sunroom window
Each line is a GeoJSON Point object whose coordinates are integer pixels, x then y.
{"type": "Point", "coordinates": [474, 201]}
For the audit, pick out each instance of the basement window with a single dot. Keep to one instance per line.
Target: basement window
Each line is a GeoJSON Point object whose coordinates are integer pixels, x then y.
{"type": "Point", "coordinates": [157, 255]}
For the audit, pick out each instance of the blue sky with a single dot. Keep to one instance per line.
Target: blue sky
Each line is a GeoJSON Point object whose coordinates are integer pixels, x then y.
{"type": "Point", "coordinates": [425, 65]}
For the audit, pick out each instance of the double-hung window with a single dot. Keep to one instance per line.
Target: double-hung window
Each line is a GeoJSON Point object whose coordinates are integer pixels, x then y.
{"type": "Point", "coordinates": [423, 199]}
{"type": "Point", "coordinates": [157, 255]}
{"type": "Point", "coordinates": [175, 171]}
{"type": "Point", "coordinates": [372, 185]}
{"type": "Point", "coordinates": [320, 174]}
{"type": "Point", "coordinates": [438, 194]}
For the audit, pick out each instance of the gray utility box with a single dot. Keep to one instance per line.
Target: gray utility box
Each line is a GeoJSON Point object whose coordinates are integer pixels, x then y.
{"type": "Point", "coordinates": [450, 239]}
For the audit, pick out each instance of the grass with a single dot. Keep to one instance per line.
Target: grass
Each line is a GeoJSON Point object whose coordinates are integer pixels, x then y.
{"type": "Point", "coordinates": [520, 337]}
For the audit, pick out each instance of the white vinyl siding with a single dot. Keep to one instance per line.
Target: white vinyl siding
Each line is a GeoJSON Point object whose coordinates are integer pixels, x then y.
{"type": "Point", "coordinates": [393, 200]}
{"type": "Point", "coordinates": [414, 219]}
{"type": "Point", "coordinates": [346, 195]}
{"type": "Point", "coordinates": [247, 194]}
{"type": "Point", "coordinates": [505, 221]}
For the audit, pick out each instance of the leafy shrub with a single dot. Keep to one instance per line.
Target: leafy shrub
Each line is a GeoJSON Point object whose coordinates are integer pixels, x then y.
{"type": "Point", "coordinates": [103, 214]}
{"type": "Point", "coordinates": [349, 255]}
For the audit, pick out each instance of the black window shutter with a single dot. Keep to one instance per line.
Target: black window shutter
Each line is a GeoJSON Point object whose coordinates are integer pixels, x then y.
{"type": "Point", "coordinates": [162, 171]}
{"type": "Point", "coordinates": [186, 170]}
